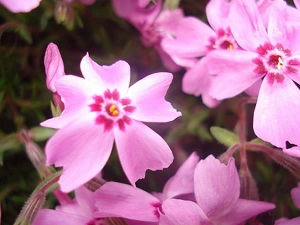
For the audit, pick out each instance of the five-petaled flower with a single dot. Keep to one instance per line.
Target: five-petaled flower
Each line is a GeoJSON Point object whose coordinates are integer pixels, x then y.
{"type": "Point", "coordinates": [102, 108]}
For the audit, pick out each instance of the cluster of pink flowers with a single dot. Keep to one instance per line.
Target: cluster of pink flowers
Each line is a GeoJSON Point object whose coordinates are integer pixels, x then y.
{"type": "Point", "coordinates": [192, 196]}
{"type": "Point", "coordinates": [248, 47]}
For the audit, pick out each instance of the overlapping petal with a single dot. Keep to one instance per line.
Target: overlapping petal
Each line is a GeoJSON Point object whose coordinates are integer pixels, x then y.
{"type": "Point", "coordinates": [217, 186]}
{"type": "Point", "coordinates": [82, 148]}
{"type": "Point", "coordinates": [76, 93]}
{"type": "Point", "coordinates": [50, 217]}
{"type": "Point", "coordinates": [246, 25]}
{"type": "Point", "coordinates": [180, 212]}
{"type": "Point", "coordinates": [276, 116]}
{"type": "Point", "coordinates": [122, 200]}
{"type": "Point", "coordinates": [217, 12]}
{"type": "Point", "coordinates": [148, 95]}
{"type": "Point", "coordinates": [243, 210]}
{"type": "Point", "coordinates": [139, 149]}
{"type": "Point", "coordinates": [182, 182]}
{"type": "Point", "coordinates": [235, 72]}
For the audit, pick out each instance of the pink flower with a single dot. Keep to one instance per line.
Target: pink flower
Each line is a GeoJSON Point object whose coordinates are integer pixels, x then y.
{"type": "Point", "coordinates": [121, 200]}
{"type": "Point", "coordinates": [192, 39]}
{"type": "Point", "coordinates": [271, 55]}
{"type": "Point", "coordinates": [154, 23]}
{"type": "Point", "coordinates": [217, 190]}
{"type": "Point", "coordinates": [102, 108]}
{"type": "Point", "coordinates": [54, 68]}
{"type": "Point", "coordinates": [17, 6]}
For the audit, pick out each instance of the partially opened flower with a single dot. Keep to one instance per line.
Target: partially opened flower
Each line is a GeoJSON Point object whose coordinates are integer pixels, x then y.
{"type": "Point", "coordinates": [217, 190]}
{"type": "Point", "coordinates": [102, 108]}
{"type": "Point", "coordinates": [17, 6]}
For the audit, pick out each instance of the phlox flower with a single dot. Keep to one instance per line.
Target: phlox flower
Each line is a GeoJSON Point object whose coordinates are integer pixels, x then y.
{"type": "Point", "coordinates": [17, 6]}
{"type": "Point", "coordinates": [217, 190]}
{"type": "Point", "coordinates": [154, 23]}
{"type": "Point", "coordinates": [101, 108]}
{"type": "Point", "coordinates": [270, 55]}
{"type": "Point", "coordinates": [122, 200]}
{"type": "Point", "coordinates": [78, 211]}
{"type": "Point", "coordinates": [192, 39]}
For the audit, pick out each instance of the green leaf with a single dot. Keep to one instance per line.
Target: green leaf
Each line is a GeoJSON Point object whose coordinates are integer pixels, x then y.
{"type": "Point", "coordinates": [224, 136]}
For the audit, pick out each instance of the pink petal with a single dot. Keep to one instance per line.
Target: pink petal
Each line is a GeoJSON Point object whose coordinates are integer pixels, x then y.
{"type": "Point", "coordinates": [76, 93]}
{"type": "Point", "coordinates": [194, 44]}
{"type": "Point", "coordinates": [246, 25]}
{"type": "Point", "coordinates": [16, 6]}
{"type": "Point", "coordinates": [183, 181]}
{"type": "Point", "coordinates": [115, 76]}
{"type": "Point", "coordinates": [293, 151]}
{"type": "Point", "coordinates": [180, 212]}
{"type": "Point", "coordinates": [167, 61]}
{"type": "Point", "coordinates": [217, 186]}
{"type": "Point", "coordinates": [82, 148]}
{"type": "Point", "coordinates": [148, 95]}
{"type": "Point", "coordinates": [217, 12]}
{"type": "Point", "coordinates": [197, 80]}
{"type": "Point", "coordinates": [54, 66]}
{"type": "Point", "coordinates": [276, 115]}
{"type": "Point", "coordinates": [50, 217]}
{"type": "Point", "coordinates": [297, 3]}
{"type": "Point", "coordinates": [234, 71]}
{"type": "Point", "coordinates": [295, 221]}
{"type": "Point", "coordinates": [122, 200]}
{"type": "Point", "coordinates": [139, 149]}
{"type": "Point", "coordinates": [86, 199]}
{"type": "Point", "coordinates": [295, 193]}
{"type": "Point", "coordinates": [244, 210]}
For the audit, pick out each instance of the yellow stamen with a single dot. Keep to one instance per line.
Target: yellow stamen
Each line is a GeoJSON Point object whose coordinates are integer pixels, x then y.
{"type": "Point", "coordinates": [280, 63]}
{"type": "Point", "coordinates": [230, 47]}
{"type": "Point", "coordinates": [113, 110]}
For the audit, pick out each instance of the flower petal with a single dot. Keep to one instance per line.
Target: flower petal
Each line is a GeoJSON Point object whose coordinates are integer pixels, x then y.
{"type": "Point", "coordinates": [16, 6]}
{"type": "Point", "coordinates": [217, 186]}
{"type": "Point", "coordinates": [140, 149]}
{"type": "Point", "coordinates": [234, 72]}
{"type": "Point", "coordinates": [50, 217]}
{"type": "Point", "coordinates": [82, 148]}
{"type": "Point", "coordinates": [192, 45]}
{"type": "Point", "coordinates": [148, 97]}
{"type": "Point", "coordinates": [293, 151]}
{"type": "Point", "coordinates": [121, 200]}
{"type": "Point", "coordinates": [183, 181]}
{"type": "Point", "coordinates": [115, 76]}
{"type": "Point", "coordinates": [181, 212]}
{"type": "Point", "coordinates": [217, 13]}
{"type": "Point", "coordinates": [54, 66]}
{"type": "Point", "coordinates": [76, 93]}
{"type": "Point", "coordinates": [243, 210]}
{"type": "Point", "coordinates": [276, 116]}
{"type": "Point", "coordinates": [246, 25]}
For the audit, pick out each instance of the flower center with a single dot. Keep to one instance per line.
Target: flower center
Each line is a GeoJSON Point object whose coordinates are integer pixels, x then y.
{"type": "Point", "coordinates": [111, 110]}
{"type": "Point", "coordinates": [274, 62]}
{"type": "Point", "coordinates": [223, 40]}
